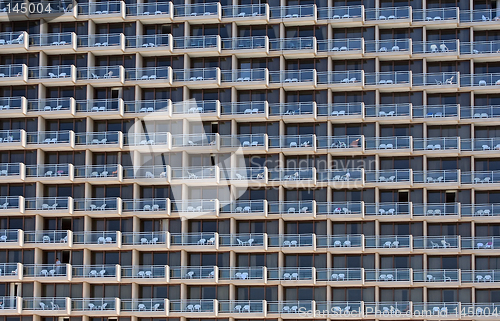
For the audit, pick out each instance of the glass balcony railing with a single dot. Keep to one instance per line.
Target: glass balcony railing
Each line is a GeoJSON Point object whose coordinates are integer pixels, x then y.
{"type": "Point", "coordinates": [196, 10]}
{"type": "Point", "coordinates": [8, 269]}
{"type": "Point", "coordinates": [244, 75]}
{"type": "Point", "coordinates": [52, 39]}
{"type": "Point", "coordinates": [194, 140]}
{"type": "Point", "coordinates": [193, 238]}
{"type": "Point", "coordinates": [341, 308]}
{"type": "Point", "coordinates": [143, 271]}
{"type": "Point", "coordinates": [390, 45]}
{"type": "Point", "coordinates": [147, 9]}
{"type": "Point", "coordinates": [339, 13]}
{"type": "Point", "coordinates": [341, 241]}
{"type": "Point", "coordinates": [387, 275]}
{"type": "Point", "coordinates": [12, 38]}
{"type": "Point", "coordinates": [250, 140]}
{"type": "Point", "coordinates": [468, 210]}
{"type": "Point", "coordinates": [45, 105]}
{"type": "Point", "coordinates": [244, 108]}
{"type": "Point", "coordinates": [199, 172]}
{"type": "Point", "coordinates": [97, 105]}
{"type": "Point", "coordinates": [387, 208]}
{"type": "Point", "coordinates": [144, 305]}
{"type": "Point", "coordinates": [388, 110]}
{"type": "Point", "coordinates": [336, 274]}
{"type": "Point", "coordinates": [448, 275]}
{"type": "Point", "coordinates": [480, 144]}
{"type": "Point", "coordinates": [199, 42]}
{"type": "Point", "coordinates": [44, 303]}
{"type": "Point", "coordinates": [242, 43]}
{"type": "Point", "coordinates": [196, 74]}
{"type": "Point", "coordinates": [9, 202]}
{"type": "Point", "coordinates": [287, 12]}
{"type": "Point", "coordinates": [291, 240]}
{"type": "Point", "coordinates": [7, 103]}
{"type": "Point", "coordinates": [480, 242]}
{"type": "Point", "coordinates": [341, 77]}
{"type": "Point", "coordinates": [147, 41]}
{"type": "Point", "coordinates": [242, 239]}
{"type": "Point", "coordinates": [387, 308]}
{"type": "Point", "coordinates": [389, 13]}
{"type": "Point", "coordinates": [480, 177]}
{"type": "Point", "coordinates": [436, 79]}
{"type": "Point", "coordinates": [341, 45]}
{"type": "Point", "coordinates": [248, 173]}
{"type": "Point", "coordinates": [48, 237]}
{"type": "Point", "coordinates": [480, 80]}
{"type": "Point", "coordinates": [95, 204]}
{"type": "Point", "coordinates": [291, 141]}
{"type": "Point", "coordinates": [151, 73]}
{"type": "Point", "coordinates": [340, 175]}
{"type": "Point", "coordinates": [95, 237]}
{"type": "Point", "coordinates": [97, 73]}
{"type": "Point", "coordinates": [289, 307]}
{"type": "Point", "coordinates": [11, 71]}
{"type": "Point", "coordinates": [388, 241]}
{"type": "Point", "coordinates": [146, 106]}
{"type": "Point", "coordinates": [435, 111]}
{"type": "Point", "coordinates": [436, 176]}
{"type": "Point", "coordinates": [290, 273]}
{"type": "Point", "coordinates": [244, 11]}
{"type": "Point", "coordinates": [481, 15]}
{"type": "Point", "coordinates": [383, 143]}
{"type": "Point", "coordinates": [100, 8]}
{"type": "Point", "coordinates": [291, 207]}
{"type": "Point", "coordinates": [96, 171]}
{"type": "Point", "coordinates": [93, 304]}
{"type": "Point", "coordinates": [10, 169]}
{"type": "Point", "coordinates": [388, 78]}
{"type": "Point", "coordinates": [199, 205]}
{"type": "Point", "coordinates": [94, 271]}
{"type": "Point", "coordinates": [97, 138]}
{"type": "Point", "coordinates": [241, 273]}
{"type": "Point", "coordinates": [243, 206]}
{"type": "Point", "coordinates": [479, 47]}
{"type": "Point", "coordinates": [145, 205]}
{"type": "Point", "coordinates": [292, 174]}
{"type": "Point", "coordinates": [435, 209]}
{"type": "Point", "coordinates": [44, 270]}
{"type": "Point", "coordinates": [435, 14]}
{"type": "Point", "coordinates": [47, 170]}
{"type": "Point", "coordinates": [479, 112]}
{"type": "Point", "coordinates": [51, 72]}
{"type": "Point", "coordinates": [480, 276]}
{"type": "Point", "coordinates": [100, 40]}
{"type": "Point", "coordinates": [192, 305]}
{"type": "Point", "coordinates": [299, 43]}
{"type": "Point", "coordinates": [192, 272]}
{"type": "Point", "coordinates": [435, 47]}
{"type": "Point", "coordinates": [339, 109]}
{"type": "Point", "coordinates": [436, 143]}
{"type": "Point", "coordinates": [436, 242]}
{"type": "Point", "coordinates": [140, 139]}
{"type": "Point", "coordinates": [332, 208]}
{"type": "Point", "coordinates": [144, 238]}
{"type": "Point", "coordinates": [241, 306]}
{"type": "Point", "coordinates": [10, 235]}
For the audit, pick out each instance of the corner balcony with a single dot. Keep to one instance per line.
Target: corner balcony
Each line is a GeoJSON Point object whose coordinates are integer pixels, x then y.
{"type": "Point", "coordinates": [294, 111]}
{"type": "Point", "coordinates": [98, 207]}
{"type": "Point", "coordinates": [352, 145]}
{"type": "Point", "coordinates": [143, 107]}
{"type": "Point", "coordinates": [388, 210]}
{"type": "Point", "coordinates": [197, 46]}
{"type": "Point", "coordinates": [483, 83]}
{"type": "Point", "coordinates": [147, 175]}
{"type": "Point", "coordinates": [99, 141]}
{"type": "Point", "coordinates": [390, 17]}
{"type": "Point", "coordinates": [53, 75]}
{"type": "Point", "coordinates": [151, 77]}
{"type": "Point", "coordinates": [401, 145]}
{"type": "Point", "coordinates": [196, 175]}
{"type": "Point", "coordinates": [344, 16]}
{"type": "Point", "coordinates": [340, 210]}
{"type": "Point", "coordinates": [437, 211]}
{"type": "Point", "coordinates": [13, 42]}
{"type": "Point", "coordinates": [352, 48]}
{"type": "Point", "coordinates": [389, 81]}
{"type": "Point", "coordinates": [480, 50]}
{"type": "Point", "coordinates": [104, 76]}
{"type": "Point", "coordinates": [293, 144]}
{"type": "Point", "coordinates": [50, 206]}
{"type": "Point", "coordinates": [203, 308]}
{"type": "Point", "coordinates": [341, 277]}
{"type": "Point", "coordinates": [111, 174]}
{"type": "Point", "coordinates": [197, 77]}
{"type": "Point", "coordinates": [197, 109]}
{"type": "Point", "coordinates": [48, 239]}
{"type": "Point", "coordinates": [387, 277]}
{"type": "Point", "coordinates": [146, 207]}
{"type": "Point", "coordinates": [200, 13]}
{"type": "Point", "coordinates": [293, 79]}
{"type": "Point", "coordinates": [245, 47]}
{"type": "Point", "coordinates": [389, 243]}
{"type": "Point", "coordinates": [444, 244]}
{"type": "Point", "coordinates": [242, 79]}
{"type": "Point", "coordinates": [441, 114]}
{"type": "Point", "coordinates": [480, 19]}
{"type": "Point", "coordinates": [48, 108]}
{"type": "Point", "coordinates": [436, 18]}
{"type": "Point", "coordinates": [340, 112]}
{"type": "Point", "coordinates": [438, 82]}
{"type": "Point", "coordinates": [300, 47]}
{"type": "Point", "coordinates": [294, 15]}
{"type": "Point", "coordinates": [254, 176]}
{"type": "Point", "coordinates": [437, 178]}
{"type": "Point", "coordinates": [102, 12]}
{"type": "Point", "coordinates": [293, 210]}
{"type": "Point", "coordinates": [391, 49]}
{"type": "Point", "coordinates": [51, 139]}
{"type": "Point", "coordinates": [245, 208]}
{"type": "Point", "coordinates": [435, 278]}
{"type": "Point", "coordinates": [195, 208]}
{"type": "Point", "coordinates": [389, 113]}
{"type": "Point", "coordinates": [150, 45]}
{"type": "Point", "coordinates": [437, 145]}
{"type": "Point", "coordinates": [104, 273]}
{"type": "Point", "coordinates": [389, 178]}
{"type": "Point", "coordinates": [257, 110]}
{"type": "Point", "coordinates": [341, 80]}
{"type": "Point", "coordinates": [13, 139]}
{"type": "Point", "coordinates": [151, 13]}
{"type": "Point", "coordinates": [245, 143]}
{"type": "Point", "coordinates": [12, 172]}
{"type": "Point", "coordinates": [102, 44]}
{"type": "Point", "coordinates": [437, 50]}
{"type": "Point", "coordinates": [13, 106]}
{"type": "Point", "coordinates": [293, 242]}
{"type": "Point", "coordinates": [11, 75]}
{"type": "Point", "coordinates": [54, 43]}
{"type": "Point", "coordinates": [247, 14]}
{"type": "Point", "coordinates": [196, 143]}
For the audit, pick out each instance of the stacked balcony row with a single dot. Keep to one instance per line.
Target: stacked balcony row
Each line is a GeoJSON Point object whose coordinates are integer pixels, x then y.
{"type": "Point", "coordinates": [244, 308]}
{"type": "Point", "coordinates": [292, 144]}
{"type": "Point", "coordinates": [302, 47]}
{"type": "Point", "coordinates": [254, 14]}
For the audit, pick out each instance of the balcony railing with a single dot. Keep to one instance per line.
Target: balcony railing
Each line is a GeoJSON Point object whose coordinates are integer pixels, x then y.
{"type": "Point", "coordinates": [242, 43]}
{"type": "Point", "coordinates": [287, 12]}
{"type": "Point", "coordinates": [436, 79]}
{"type": "Point", "coordinates": [291, 207]}
{"type": "Point", "coordinates": [148, 41]}
{"type": "Point", "coordinates": [435, 111]}
{"type": "Point", "coordinates": [93, 304]}
{"type": "Point", "coordinates": [44, 303]}
{"type": "Point", "coordinates": [98, 138]}
{"type": "Point", "coordinates": [398, 208]}
{"type": "Point", "coordinates": [336, 274]}
{"type": "Point", "coordinates": [12, 38]}
{"type": "Point", "coordinates": [244, 11]}
{"type": "Point", "coordinates": [48, 170]}
{"type": "Point", "coordinates": [144, 238]}
{"type": "Point", "coordinates": [436, 47]}
{"type": "Point", "coordinates": [192, 272]}
{"type": "Point", "coordinates": [291, 240]}
{"type": "Point", "coordinates": [341, 77]}
{"type": "Point", "coordinates": [340, 241]}
{"type": "Point", "coordinates": [480, 112]}
{"type": "Point", "coordinates": [99, 73]}
{"type": "Point", "coordinates": [205, 10]}
{"type": "Point", "coordinates": [480, 80]}
{"type": "Point", "coordinates": [436, 143]}
{"type": "Point", "coordinates": [388, 110]}
{"type": "Point", "coordinates": [447, 275]}
{"type": "Point", "coordinates": [143, 271]}
{"type": "Point", "coordinates": [482, 15]}
{"type": "Point", "coordinates": [436, 176]}
{"type": "Point", "coordinates": [95, 204]}
{"type": "Point", "coordinates": [250, 140]}
{"type": "Point", "coordinates": [291, 273]}
{"type": "Point", "coordinates": [244, 75]}
{"type": "Point", "coordinates": [100, 40]}
{"type": "Point", "coordinates": [340, 13]}
{"type": "Point", "coordinates": [44, 270]}
{"type": "Point", "coordinates": [241, 273]}
{"type": "Point", "coordinates": [480, 242]}
{"type": "Point", "coordinates": [384, 143]}
{"type": "Point", "coordinates": [150, 73]}
{"type": "Point", "coordinates": [49, 237]}
{"type": "Point", "coordinates": [387, 275]}
{"type": "Point", "coordinates": [435, 14]}
{"type": "Point", "coordinates": [338, 208]}
{"type": "Point", "coordinates": [480, 144]}
{"type": "Point", "coordinates": [291, 141]}
{"type": "Point", "coordinates": [387, 14]}
{"type": "Point", "coordinates": [199, 42]}
{"type": "Point", "coordinates": [388, 78]}
{"type": "Point", "coordinates": [98, 105]}
{"type": "Point", "coordinates": [436, 242]}
{"type": "Point", "coordinates": [388, 241]}
{"type": "Point", "coordinates": [196, 74]}
{"type": "Point", "coordinates": [479, 47]}
{"type": "Point", "coordinates": [10, 169]}
{"type": "Point", "coordinates": [341, 45]}
{"type": "Point", "coordinates": [94, 271]}
{"type": "Point", "coordinates": [340, 109]}
{"type": "Point", "coordinates": [100, 8]}
{"type": "Point", "coordinates": [241, 306]}
{"type": "Point", "coordinates": [480, 276]}
{"type": "Point", "coordinates": [192, 305]}
{"type": "Point", "coordinates": [8, 103]}
{"type": "Point", "coordinates": [147, 9]}
{"type": "Point", "coordinates": [435, 209]}
{"type": "Point", "coordinates": [242, 207]}
{"type": "Point", "coordinates": [193, 239]}
{"type": "Point", "coordinates": [299, 43]}
{"type": "Point", "coordinates": [480, 177]}
{"type": "Point", "coordinates": [289, 307]}
{"type": "Point", "coordinates": [12, 71]}
{"type": "Point", "coordinates": [386, 46]}
{"type": "Point", "coordinates": [46, 105]}
{"type": "Point", "coordinates": [52, 39]}
{"type": "Point", "coordinates": [142, 305]}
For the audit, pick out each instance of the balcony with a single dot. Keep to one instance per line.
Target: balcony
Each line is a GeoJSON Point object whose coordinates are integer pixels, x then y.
{"type": "Point", "coordinates": [340, 208]}
{"type": "Point", "coordinates": [50, 238]}
{"type": "Point", "coordinates": [333, 111]}
{"type": "Point", "coordinates": [388, 275]}
{"type": "Point", "coordinates": [192, 307]}
{"type": "Point", "coordinates": [436, 145]}
{"type": "Point", "coordinates": [55, 306]}
{"type": "Point", "coordinates": [151, 13]}
{"type": "Point", "coordinates": [390, 242]}
{"type": "Point", "coordinates": [338, 309]}
{"type": "Point", "coordinates": [439, 82]}
{"type": "Point", "coordinates": [352, 275]}
{"type": "Point", "coordinates": [102, 44]}
{"type": "Point", "coordinates": [246, 46]}
{"type": "Point", "coordinates": [341, 144]}
{"type": "Point", "coordinates": [483, 145]}
{"type": "Point", "coordinates": [343, 243]}
{"type": "Point", "coordinates": [16, 74]}
{"type": "Point", "coordinates": [388, 210]}
{"type": "Point", "coordinates": [51, 271]}
{"type": "Point", "coordinates": [482, 19]}
{"type": "Point", "coordinates": [442, 243]}
{"type": "Point", "coordinates": [293, 79]}
{"type": "Point", "coordinates": [248, 176]}
{"type": "Point", "coordinates": [344, 177]}
{"type": "Point", "coordinates": [13, 42]}
{"type": "Point", "coordinates": [53, 75]}
{"type": "Point", "coordinates": [151, 77]}
{"type": "Point", "coordinates": [389, 112]}
{"type": "Point", "coordinates": [348, 16]}
{"type": "Point", "coordinates": [390, 17]}
{"type": "Point", "coordinates": [143, 107]}
{"type": "Point", "coordinates": [96, 305]}
{"type": "Point", "coordinates": [289, 241]}
{"type": "Point", "coordinates": [196, 175]}
{"type": "Point", "coordinates": [11, 205]}
{"type": "Point", "coordinates": [480, 243]}
{"type": "Point", "coordinates": [392, 145]}
{"type": "Point", "coordinates": [481, 179]}
{"type": "Point", "coordinates": [292, 274]}
{"type": "Point", "coordinates": [196, 109]}
{"type": "Point", "coordinates": [289, 308]}
{"type": "Point", "coordinates": [342, 80]}
{"type": "Point", "coordinates": [295, 15]}
{"type": "Point", "coordinates": [480, 112]}
{"type": "Point", "coordinates": [247, 14]}
{"type": "Point", "coordinates": [10, 271]}
{"type": "Point", "coordinates": [12, 172]}
{"type": "Point", "coordinates": [389, 81]}
{"type": "Point", "coordinates": [251, 142]}
{"type": "Point", "coordinates": [144, 238]}
{"type": "Point", "coordinates": [295, 210]}
{"type": "Point", "coordinates": [198, 13]}
{"type": "Point", "coordinates": [144, 141]}
{"type": "Point", "coordinates": [109, 11]}
{"type": "Point", "coordinates": [101, 76]}
{"type": "Point", "coordinates": [195, 208]}
{"type": "Point", "coordinates": [156, 306]}
{"type": "Point", "coordinates": [438, 113]}
{"type": "Point", "coordinates": [480, 50]}
{"type": "Point", "coordinates": [246, 110]}
{"type": "Point", "coordinates": [201, 46]}
{"type": "Point", "coordinates": [300, 47]}
{"type": "Point", "coordinates": [51, 139]}
{"type": "Point", "coordinates": [104, 239]}
{"type": "Point", "coordinates": [143, 273]}
{"type": "Point", "coordinates": [197, 77]}
{"type": "Point", "coordinates": [195, 142]}
{"type": "Point", "coordinates": [205, 240]}
{"type": "Point", "coordinates": [150, 45]}
{"type": "Point", "coordinates": [10, 237]}
{"type": "Point", "coordinates": [99, 173]}
{"type": "Point", "coordinates": [449, 177]}
{"type": "Point", "coordinates": [152, 174]}
{"type": "Point", "coordinates": [389, 49]}
{"type": "Point", "coordinates": [431, 276]}
{"type": "Point", "coordinates": [293, 144]}
{"type": "Point", "coordinates": [302, 111]}
{"type": "Point", "coordinates": [241, 273]}
{"type": "Point", "coordinates": [98, 205]}
{"type": "Point", "coordinates": [95, 273]}
{"type": "Point", "coordinates": [246, 240]}
{"type": "Point", "coordinates": [436, 18]}
{"type": "Point", "coordinates": [50, 205]}
{"type": "Point", "coordinates": [54, 43]}
{"type": "Point", "coordinates": [198, 273]}
{"type": "Point", "coordinates": [342, 48]}
{"type": "Point", "coordinates": [147, 207]}
{"type": "Point", "coordinates": [436, 50]}
{"type": "Point", "coordinates": [100, 108]}
{"type": "Point", "coordinates": [246, 78]}
{"type": "Point", "coordinates": [438, 211]}
{"type": "Point", "coordinates": [479, 210]}
{"type": "Point", "coordinates": [481, 82]}
{"type": "Point", "coordinates": [480, 276]}
{"type": "Point", "coordinates": [373, 309]}
{"type": "Point", "coordinates": [48, 108]}
{"type": "Point", "coordinates": [244, 208]}
{"type": "Point", "coordinates": [443, 309]}
{"type": "Point", "coordinates": [99, 140]}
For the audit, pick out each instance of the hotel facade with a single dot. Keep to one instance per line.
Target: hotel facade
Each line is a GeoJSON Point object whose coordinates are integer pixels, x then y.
{"type": "Point", "coordinates": [246, 160]}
